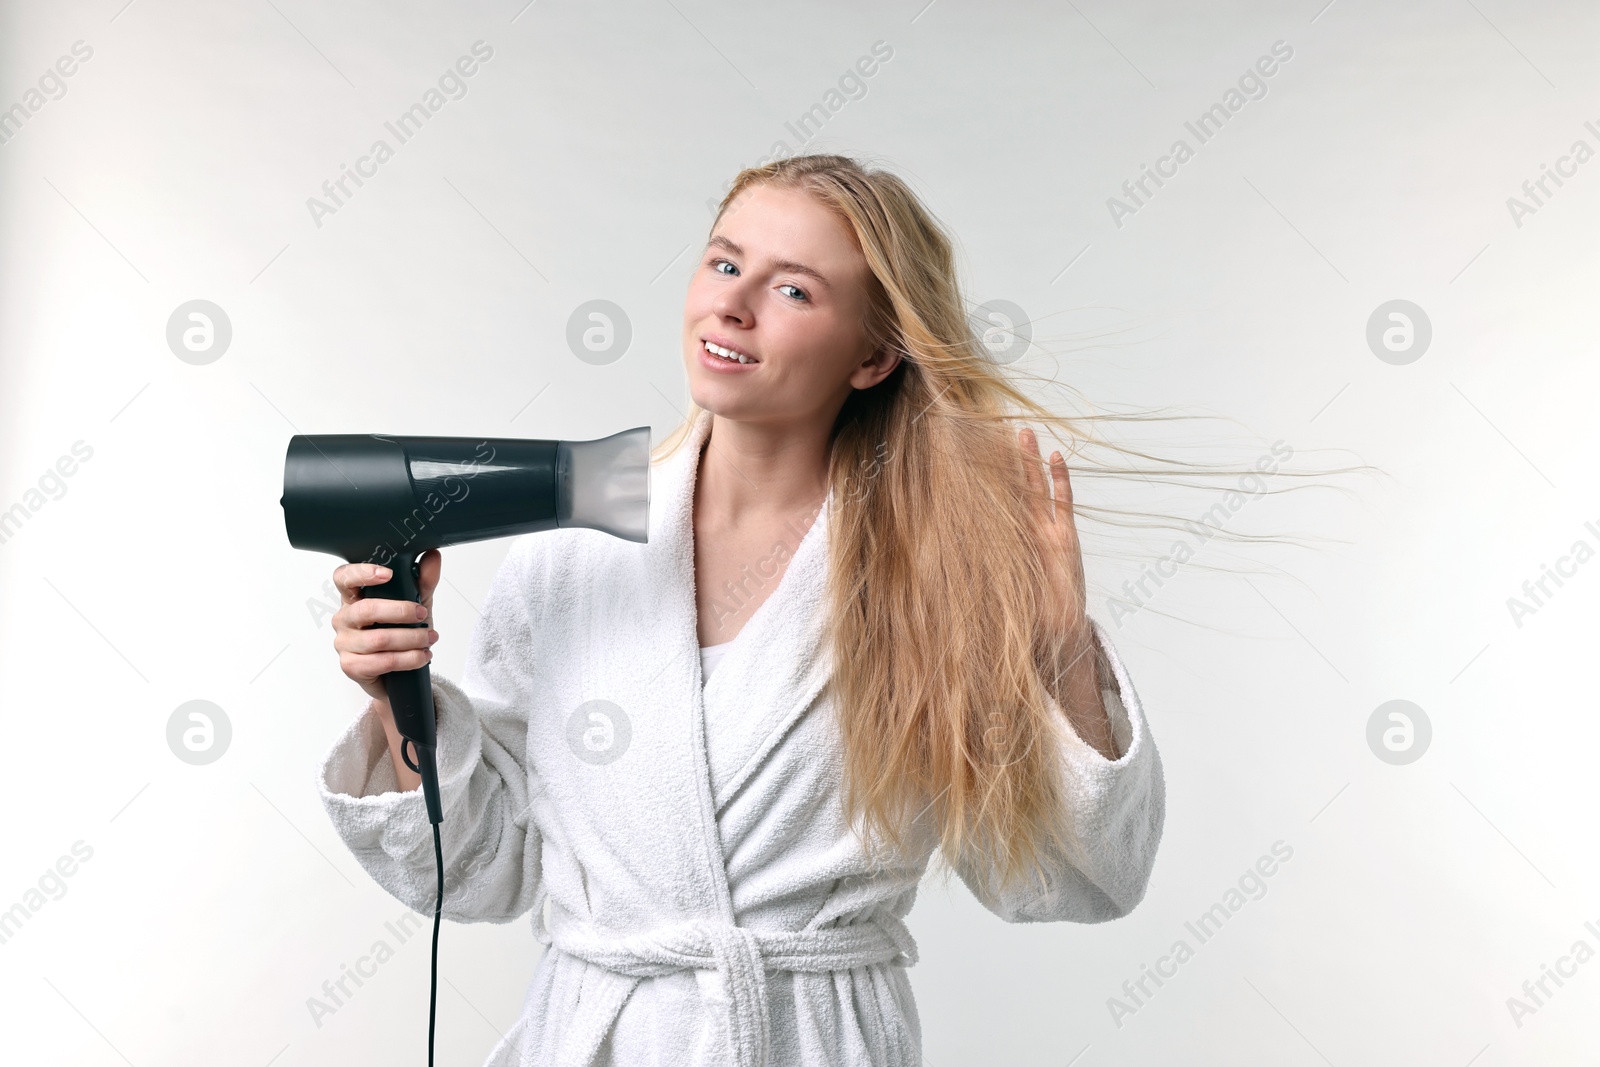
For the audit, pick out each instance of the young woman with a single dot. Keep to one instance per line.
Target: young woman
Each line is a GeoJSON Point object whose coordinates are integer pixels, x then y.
{"type": "Point", "coordinates": [716, 766]}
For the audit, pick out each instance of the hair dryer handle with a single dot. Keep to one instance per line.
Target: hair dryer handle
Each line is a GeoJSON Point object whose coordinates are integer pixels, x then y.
{"type": "Point", "coordinates": [411, 700]}
{"type": "Point", "coordinates": [411, 692]}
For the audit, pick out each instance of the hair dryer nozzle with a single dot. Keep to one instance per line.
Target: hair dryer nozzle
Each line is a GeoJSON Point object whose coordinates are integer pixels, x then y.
{"type": "Point", "coordinates": [605, 484]}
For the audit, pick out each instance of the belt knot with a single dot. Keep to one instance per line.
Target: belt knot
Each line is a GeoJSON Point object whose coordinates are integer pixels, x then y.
{"type": "Point", "coordinates": [742, 957]}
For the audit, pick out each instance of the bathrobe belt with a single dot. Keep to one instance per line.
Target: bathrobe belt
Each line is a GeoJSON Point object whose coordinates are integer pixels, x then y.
{"type": "Point", "coordinates": [740, 956]}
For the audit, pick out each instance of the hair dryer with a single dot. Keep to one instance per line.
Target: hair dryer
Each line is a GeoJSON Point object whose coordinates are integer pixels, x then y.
{"type": "Point", "coordinates": [381, 499]}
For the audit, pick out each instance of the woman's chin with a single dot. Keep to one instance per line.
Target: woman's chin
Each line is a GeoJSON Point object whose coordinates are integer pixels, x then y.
{"type": "Point", "coordinates": [706, 399]}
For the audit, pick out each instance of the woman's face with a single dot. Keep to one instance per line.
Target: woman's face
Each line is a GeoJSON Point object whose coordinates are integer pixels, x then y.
{"type": "Point", "coordinates": [781, 281]}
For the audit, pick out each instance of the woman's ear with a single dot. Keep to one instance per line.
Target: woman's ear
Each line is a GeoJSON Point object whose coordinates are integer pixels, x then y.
{"type": "Point", "coordinates": [876, 368]}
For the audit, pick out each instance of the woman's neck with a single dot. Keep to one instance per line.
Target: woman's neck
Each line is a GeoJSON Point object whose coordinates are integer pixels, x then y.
{"type": "Point", "coordinates": [752, 472]}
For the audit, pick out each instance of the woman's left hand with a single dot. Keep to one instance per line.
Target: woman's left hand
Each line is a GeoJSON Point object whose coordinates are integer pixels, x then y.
{"type": "Point", "coordinates": [1066, 597]}
{"type": "Point", "coordinates": [1075, 683]}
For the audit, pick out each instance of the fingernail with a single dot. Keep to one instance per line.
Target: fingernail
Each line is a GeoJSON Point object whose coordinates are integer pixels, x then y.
{"type": "Point", "coordinates": [422, 612]}
{"type": "Point", "coordinates": [381, 573]}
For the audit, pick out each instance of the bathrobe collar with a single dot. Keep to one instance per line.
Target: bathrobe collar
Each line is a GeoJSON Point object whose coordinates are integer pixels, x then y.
{"type": "Point", "coordinates": [779, 660]}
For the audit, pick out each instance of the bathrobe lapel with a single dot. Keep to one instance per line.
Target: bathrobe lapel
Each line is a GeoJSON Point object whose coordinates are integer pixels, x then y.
{"type": "Point", "coordinates": [773, 673]}
{"type": "Point", "coordinates": [639, 817]}
{"type": "Point", "coordinates": [777, 665]}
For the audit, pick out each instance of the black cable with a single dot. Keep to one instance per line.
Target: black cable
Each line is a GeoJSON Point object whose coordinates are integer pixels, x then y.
{"type": "Point", "coordinates": [438, 907]}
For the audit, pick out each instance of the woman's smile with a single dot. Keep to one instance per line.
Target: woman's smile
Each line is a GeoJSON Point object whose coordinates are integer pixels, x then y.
{"type": "Point", "coordinates": [711, 359]}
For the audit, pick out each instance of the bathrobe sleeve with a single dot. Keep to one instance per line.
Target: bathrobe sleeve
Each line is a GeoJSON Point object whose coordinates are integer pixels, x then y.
{"type": "Point", "coordinates": [1117, 808]}
{"type": "Point", "coordinates": [491, 849]}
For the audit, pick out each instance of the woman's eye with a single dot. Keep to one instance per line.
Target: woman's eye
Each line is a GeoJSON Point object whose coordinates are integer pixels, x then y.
{"type": "Point", "coordinates": [718, 264]}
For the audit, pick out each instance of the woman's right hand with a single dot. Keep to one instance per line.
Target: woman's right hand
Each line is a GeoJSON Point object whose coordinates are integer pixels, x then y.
{"type": "Point", "coordinates": [366, 655]}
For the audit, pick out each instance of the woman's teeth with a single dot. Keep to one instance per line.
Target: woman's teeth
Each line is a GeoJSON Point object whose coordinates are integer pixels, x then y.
{"type": "Point", "coordinates": [726, 353]}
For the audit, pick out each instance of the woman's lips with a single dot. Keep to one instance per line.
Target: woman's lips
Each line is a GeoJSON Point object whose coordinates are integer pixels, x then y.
{"type": "Point", "coordinates": [717, 363]}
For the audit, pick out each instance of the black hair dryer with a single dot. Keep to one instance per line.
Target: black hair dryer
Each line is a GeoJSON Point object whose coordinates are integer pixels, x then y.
{"type": "Point", "coordinates": [376, 498]}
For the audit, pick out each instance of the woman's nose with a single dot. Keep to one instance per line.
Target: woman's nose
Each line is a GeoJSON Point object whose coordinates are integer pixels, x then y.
{"type": "Point", "coordinates": [734, 300]}
{"type": "Point", "coordinates": [729, 307]}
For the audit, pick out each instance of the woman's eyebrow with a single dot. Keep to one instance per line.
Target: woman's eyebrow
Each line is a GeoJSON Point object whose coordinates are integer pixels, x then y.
{"type": "Point", "coordinates": [789, 265]}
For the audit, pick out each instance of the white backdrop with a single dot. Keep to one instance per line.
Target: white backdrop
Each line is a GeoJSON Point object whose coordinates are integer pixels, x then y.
{"type": "Point", "coordinates": [162, 912]}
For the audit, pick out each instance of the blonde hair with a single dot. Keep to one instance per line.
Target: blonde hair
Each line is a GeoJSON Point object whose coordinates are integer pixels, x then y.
{"type": "Point", "coordinates": [939, 646]}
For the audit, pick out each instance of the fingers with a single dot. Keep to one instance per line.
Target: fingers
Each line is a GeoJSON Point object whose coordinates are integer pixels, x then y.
{"type": "Point", "coordinates": [349, 578]}
{"type": "Point", "coordinates": [1036, 486]}
{"type": "Point", "coordinates": [367, 667]}
{"type": "Point", "coordinates": [428, 568]}
{"type": "Point", "coordinates": [1057, 518]}
{"type": "Point", "coordinates": [1062, 485]}
{"type": "Point", "coordinates": [397, 639]}
{"type": "Point", "coordinates": [359, 611]}
{"type": "Point", "coordinates": [368, 650]}
{"type": "Point", "coordinates": [1056, 500]}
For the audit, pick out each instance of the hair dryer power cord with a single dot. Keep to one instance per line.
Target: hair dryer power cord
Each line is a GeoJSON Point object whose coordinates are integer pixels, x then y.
{"type": "Point", "coordinates": [438, 906]}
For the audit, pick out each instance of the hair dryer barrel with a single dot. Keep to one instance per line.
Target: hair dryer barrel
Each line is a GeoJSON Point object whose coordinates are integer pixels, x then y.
{"type": "Point", "coordinates": [376, 497]}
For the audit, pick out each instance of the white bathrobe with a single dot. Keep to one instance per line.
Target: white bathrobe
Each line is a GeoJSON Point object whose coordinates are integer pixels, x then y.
{"type": "Point", "coordinates": [707, 901]}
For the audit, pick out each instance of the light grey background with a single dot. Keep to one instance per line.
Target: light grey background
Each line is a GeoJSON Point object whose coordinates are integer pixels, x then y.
{"type": "Point", "coordinates": [578, 166]}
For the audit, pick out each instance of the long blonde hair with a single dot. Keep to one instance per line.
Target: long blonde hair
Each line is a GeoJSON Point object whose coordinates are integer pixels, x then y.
{"type": "Point", "coordinates": [940, 651]}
